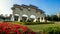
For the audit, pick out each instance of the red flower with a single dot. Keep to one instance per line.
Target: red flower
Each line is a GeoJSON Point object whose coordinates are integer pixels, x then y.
{"type": "Point", "coordinates": [14, 28]}
{"type": "Point", "coordinates": [24, 28]}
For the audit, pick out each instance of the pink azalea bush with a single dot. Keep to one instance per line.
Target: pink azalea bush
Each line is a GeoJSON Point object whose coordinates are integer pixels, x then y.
{"type": "Point", "coordinates": [10, 28]}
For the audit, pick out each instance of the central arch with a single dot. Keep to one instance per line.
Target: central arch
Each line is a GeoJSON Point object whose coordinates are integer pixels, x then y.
{"type": "Point", "coordinates": [24, 17]}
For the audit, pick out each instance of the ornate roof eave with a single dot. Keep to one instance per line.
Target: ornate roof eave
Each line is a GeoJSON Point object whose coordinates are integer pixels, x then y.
{"type": "Point", "coordinates": [41, 11]}
{"type": "Point", "coordinates": [26, 6]}
{"type": "Point", "coordinates": [32, 6]}
{"type": "Point", "coordinates": [16, 5]}
{"type": "Point", "coordinates": [13, 8]}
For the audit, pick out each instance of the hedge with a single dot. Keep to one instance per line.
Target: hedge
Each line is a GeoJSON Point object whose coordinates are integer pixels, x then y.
{"type": "Point", "coordinates": [36, 23]}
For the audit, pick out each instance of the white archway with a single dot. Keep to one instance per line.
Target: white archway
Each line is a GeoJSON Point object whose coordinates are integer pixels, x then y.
{"type": "Point", "coordinates": [16, 17]}
{"type": "Point", "coordinates": [33, 18]}
{"type": "Point", "coordinates": [24, 17]}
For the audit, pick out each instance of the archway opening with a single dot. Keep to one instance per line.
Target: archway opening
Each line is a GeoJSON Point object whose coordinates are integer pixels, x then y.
{"type": "Point", "coordinates": [32, 18]}
{"type": "Point", "coordinates": [38, 19]}
{"type": "Point", "coordinates": [24, 18]}
{"type": "Point", "coordinates": [16, 16]}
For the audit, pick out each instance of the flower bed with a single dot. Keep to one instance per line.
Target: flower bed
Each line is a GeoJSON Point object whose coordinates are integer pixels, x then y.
{"type": "Point", "coordinates": [10, 28]}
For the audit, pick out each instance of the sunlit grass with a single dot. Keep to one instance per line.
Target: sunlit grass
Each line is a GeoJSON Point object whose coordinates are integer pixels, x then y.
{"type": "Point", "coordinates": [42, 26]}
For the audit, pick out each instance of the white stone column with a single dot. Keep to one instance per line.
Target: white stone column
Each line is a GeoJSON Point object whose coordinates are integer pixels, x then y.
{"type": "Point", "coordinates": [43, 19]}
{"type": "Point", "coordinates": [12, 18]}
{"type": "Point", "coordinates": [27, 19]}
{"type": "Point", "coordinates": [35, 20]}
{"type": "Point", "coordinates": [19, 19]}
{"type": "Point", "coordinates": [40, 19]}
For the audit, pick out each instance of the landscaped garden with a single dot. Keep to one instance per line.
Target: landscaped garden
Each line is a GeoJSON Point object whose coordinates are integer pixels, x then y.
{"type": "Point", "coordinates": [44, 27]}
{"type": "Point", "coordinates": [22, 28]}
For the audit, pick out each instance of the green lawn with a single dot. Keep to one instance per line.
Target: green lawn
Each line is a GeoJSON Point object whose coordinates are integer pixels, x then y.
{"type": "Point", "coordinates": [42, 26]}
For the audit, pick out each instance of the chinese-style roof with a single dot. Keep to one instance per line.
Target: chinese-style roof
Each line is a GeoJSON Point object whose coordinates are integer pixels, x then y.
{"type": "Point", "coordinates": [27, 6]}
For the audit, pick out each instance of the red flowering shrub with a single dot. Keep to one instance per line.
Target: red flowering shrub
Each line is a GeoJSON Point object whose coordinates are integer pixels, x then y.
{"type": "Point", "coordinates": [10, 28]}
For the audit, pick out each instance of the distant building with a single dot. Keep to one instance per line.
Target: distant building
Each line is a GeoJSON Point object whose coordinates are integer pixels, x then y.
{"type": "Point", "coordinates": [58, 15]}
{"type": "Point", "coordinates": [25, 13]}
{"type": "Point", "coordinates": [5, 18]}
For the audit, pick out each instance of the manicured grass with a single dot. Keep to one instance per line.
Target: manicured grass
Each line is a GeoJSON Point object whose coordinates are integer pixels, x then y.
{"type": "Point", "coordinates": [42, 26]}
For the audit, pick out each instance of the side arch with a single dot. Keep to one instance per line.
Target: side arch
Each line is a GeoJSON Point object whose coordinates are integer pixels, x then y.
{"type": "Point", "coordinates": [33, 18]}
{"type": "Point", "coordinates": [16, 17]}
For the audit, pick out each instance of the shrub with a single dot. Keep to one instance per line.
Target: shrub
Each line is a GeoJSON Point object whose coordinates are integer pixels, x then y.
{"type": "Point", "coordinates": [33, 23]}
{"type": "Point", "coordinates": [10, 28]}
{"type": "Point", "coordinates": [36, 23]}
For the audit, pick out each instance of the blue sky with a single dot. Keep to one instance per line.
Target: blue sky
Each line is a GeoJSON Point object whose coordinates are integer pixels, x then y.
{"type": "Point", "coordinates": [48, 6]}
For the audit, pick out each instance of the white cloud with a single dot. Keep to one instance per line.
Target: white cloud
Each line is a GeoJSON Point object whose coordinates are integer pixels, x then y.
{"type": "Point", "coordinates": [5, 6]}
